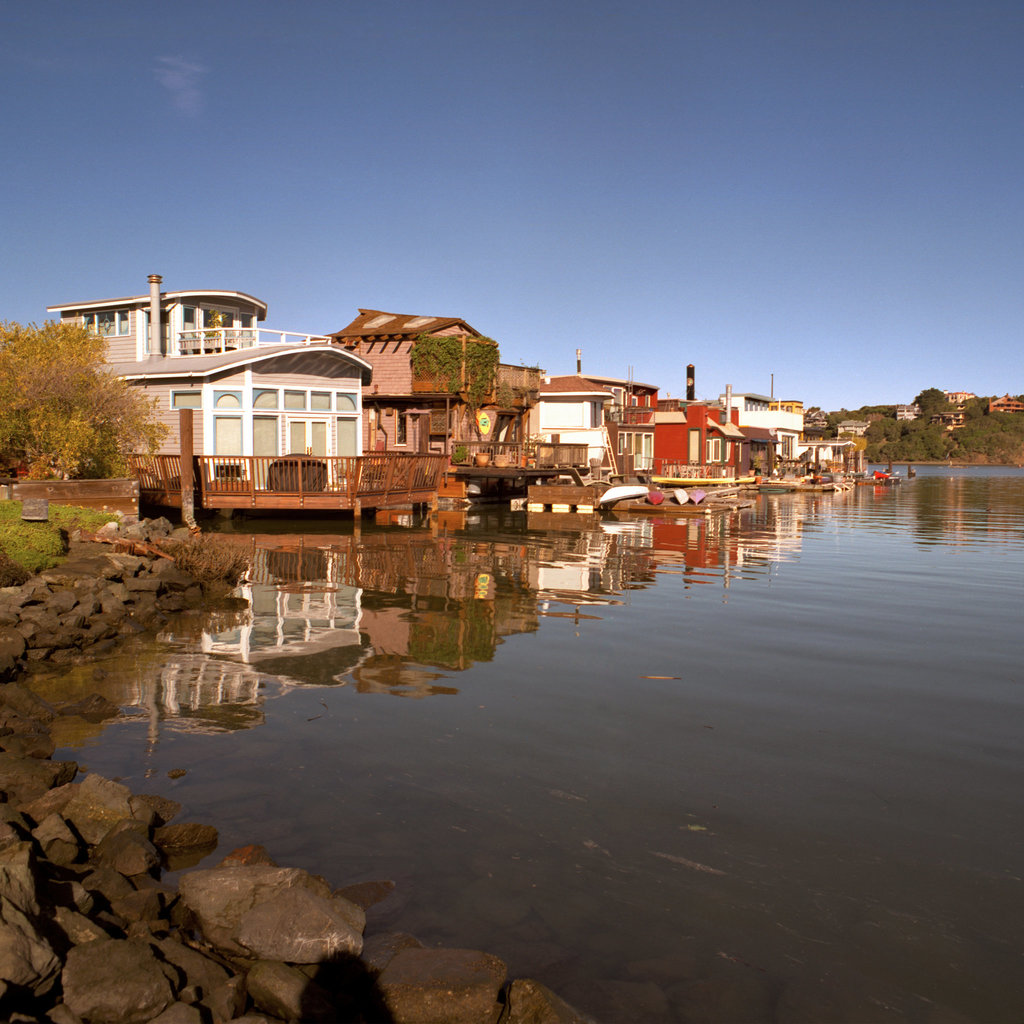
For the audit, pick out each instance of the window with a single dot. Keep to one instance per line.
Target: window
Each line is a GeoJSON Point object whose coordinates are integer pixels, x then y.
{"type": "Point", "coordinates": [264, 435]}
{"type": "Point", "coordinates": [227, 432]}
{"type": "Point", "coordinates": [714, 449]}
{"type": "Point", "coordinates": [214, 318]}
{"type": "Point", "coordinates": [186, 399]}
{"type": "Point", "coordinates": [319, 400]}
{"type": "Point", "coordinates": [295, 399]}
{"type": "Point", "coordinates": [401, 428]}
{"type": "Point", "coordinates": [345, 403]}
{"type": "Point", "coordinates": [264, 399]}
{"type": "Point", "coordinates": [109, 323]}
{"type": "Point", "coordinates": [227, 400]}
{"type": "Point", "coordinates": [245, 319]}
{"type": "Point", "coordinates": [188, 317]}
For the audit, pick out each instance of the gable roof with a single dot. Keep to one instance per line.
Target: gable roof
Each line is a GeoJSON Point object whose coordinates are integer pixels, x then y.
{"type": "Point", "coordinates": [572, 385]}
{"type": "Point", "coordinates": [376, 323]}
{"type": "Point", "coordinates": [306, 357]}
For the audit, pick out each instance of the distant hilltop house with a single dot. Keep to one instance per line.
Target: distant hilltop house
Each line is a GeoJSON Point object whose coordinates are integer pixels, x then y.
{"type": "Point", "coordinates": [1005, 404]}
{"type": "Point", "coordinates": [908, 412]}
{"type": "Point", "coordinates": [959, 397]}
{"type": "Point", "coordinates": [858, 428]}
{"type": "Point", "coordinates": [437, 381]}
{"type": "Point", "coordinates": [254, 392]}
{"type": "Point", "coordinates": [815, 424]}
{"type": "Point", "coordinates": [785, 420]}
{"type": "Point", "coordinates": [949, 420]}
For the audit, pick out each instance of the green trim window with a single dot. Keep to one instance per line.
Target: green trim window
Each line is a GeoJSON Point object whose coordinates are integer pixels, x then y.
{"type": "Point", "coordinates": [319, 400]}
{"type": "Point", "coordinates": [345, 402]}
{"type": "Point", "coordinates": [227, 399]}
{"type": "Point", "coordinates": [110, 323]}
{"type": "Point", "coordinates": [264, 398]}
{"type": "Point", "coordinates": [295, 399]}
{"type": "Point", "coordinates": [186, 399]}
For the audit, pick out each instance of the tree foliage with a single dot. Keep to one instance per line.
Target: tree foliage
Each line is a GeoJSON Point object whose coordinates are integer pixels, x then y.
{"type": "Point", "coordinates": [62, 413]}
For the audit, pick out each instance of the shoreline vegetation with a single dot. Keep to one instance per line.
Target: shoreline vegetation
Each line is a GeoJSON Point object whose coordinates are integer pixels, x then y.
{"type": "Point", "coordinates": [91, 933]}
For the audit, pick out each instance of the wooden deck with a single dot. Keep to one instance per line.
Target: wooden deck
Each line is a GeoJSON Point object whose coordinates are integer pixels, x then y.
{"type": "Point", "coordinates": [315, 482]}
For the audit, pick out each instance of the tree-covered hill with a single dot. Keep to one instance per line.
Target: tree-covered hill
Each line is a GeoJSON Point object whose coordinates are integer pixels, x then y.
{"type": "Point", "coordinates": [987, 438]}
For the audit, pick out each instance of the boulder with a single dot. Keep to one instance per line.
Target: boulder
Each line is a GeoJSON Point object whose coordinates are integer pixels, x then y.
{"type": "Point", "coordinates": [456, 986]}
{"type": "Point", "coordinates": [301, 927]}
{"type": "Point", "coordinates": [58, 843]}
{"type": "Point", "coordinates": [24, 779]}
{"type": "Point", "coordinates": [185, 836]}
{"type": "Point", "coordinates": [220, 899]}
{"type": "Point", "coordinates": [285, 992]}
{"type": "Point", "coordinates": [97, 807]}
{"type": "Point", "coordinates": [529, 1002]}
{"type": "Point", "coordinates": [127, 852]}
{"type": "Point", "coordinates": [115, 981]}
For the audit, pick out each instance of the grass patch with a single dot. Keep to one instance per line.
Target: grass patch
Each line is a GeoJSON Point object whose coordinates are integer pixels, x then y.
{"type": "Point", "coordinates": [38, 546]}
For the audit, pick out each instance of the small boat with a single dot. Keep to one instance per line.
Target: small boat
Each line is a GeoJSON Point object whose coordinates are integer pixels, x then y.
{"type": "Point", "coordinates": [622, 492]}
{"type": "Point", "coordinates": [655, 497]}
{"type": "Point", "coordinates": [680, 496]}
{"type": "Point", "coordinates": [697, 496]}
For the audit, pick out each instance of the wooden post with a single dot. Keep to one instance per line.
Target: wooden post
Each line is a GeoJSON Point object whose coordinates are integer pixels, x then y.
{"type": "Point", "coordinates": [186, 461]}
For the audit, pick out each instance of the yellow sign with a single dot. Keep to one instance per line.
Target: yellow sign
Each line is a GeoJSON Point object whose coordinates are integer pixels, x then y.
{"type": "Point", "coordinates": [484, 423]}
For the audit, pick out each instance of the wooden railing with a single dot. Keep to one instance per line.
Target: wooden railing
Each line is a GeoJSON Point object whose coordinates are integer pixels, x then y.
{"type": "Point", "coordinates": [295, 481]}
{"type": "Point", "coordinates": [693, 470]}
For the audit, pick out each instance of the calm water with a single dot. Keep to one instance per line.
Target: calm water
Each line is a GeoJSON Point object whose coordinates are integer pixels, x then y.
{"type": "Point", "coordinates": [767, 767]}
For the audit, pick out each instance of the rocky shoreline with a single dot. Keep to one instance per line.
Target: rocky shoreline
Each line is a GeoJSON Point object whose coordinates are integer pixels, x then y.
{"type": "Point", "coordinates": [90, 931]}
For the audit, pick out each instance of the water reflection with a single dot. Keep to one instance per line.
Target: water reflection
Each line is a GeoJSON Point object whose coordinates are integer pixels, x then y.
{"type": "Point", "coordinates": [747, 767]}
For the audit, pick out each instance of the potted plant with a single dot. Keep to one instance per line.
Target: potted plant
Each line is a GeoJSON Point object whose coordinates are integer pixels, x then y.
{"type": "Point", "coordinates": [460, 454]}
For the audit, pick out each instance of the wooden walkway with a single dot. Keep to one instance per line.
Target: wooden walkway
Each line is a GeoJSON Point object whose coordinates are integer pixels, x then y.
{"type": "Point", "coordinates": [317, 482]}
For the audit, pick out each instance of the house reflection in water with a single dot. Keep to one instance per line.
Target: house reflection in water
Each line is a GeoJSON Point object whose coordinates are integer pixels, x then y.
{"type": "Point", "coordinates": [398, 612]}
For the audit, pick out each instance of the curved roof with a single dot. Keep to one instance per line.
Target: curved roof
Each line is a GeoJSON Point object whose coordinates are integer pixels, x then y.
{"type": "Point", "coordinates": [199, 295]}
{"type": "Point", "coordinates": [308, 358]}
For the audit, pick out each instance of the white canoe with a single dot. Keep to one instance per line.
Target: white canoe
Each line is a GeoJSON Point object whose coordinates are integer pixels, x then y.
{"type": "Point", "coordinates": [623, 492]}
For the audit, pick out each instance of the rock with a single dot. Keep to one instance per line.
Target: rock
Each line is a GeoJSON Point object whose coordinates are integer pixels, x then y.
{"type": "Point", "coordinates": [185, 836]}
{"type": "Point", "coordinates": [179, 1013]}
{"type": "Point", "coordinates": [529, 1002]}
{"type": "Point", "coordinates": [58, 843]}
{"type": "Point", "coordinates": [244, 855]}
{"type": "Point", "coordinates": [222, 897]}
{"type": "Point", "coordinates": [12, 644]}
{"type": "Point", "coordinates": [26, 957]}
{"type": "Point", "coordinates": [93, 708]}
{"type": "Point", "coordinates": [287, 993]}
{"type": "Point", "coordinates": [97, 807]}
{"type": "Point", "coordinates": [381, 949]}
{"type": "Point", "coordinates": [457, 986]}
{"type": "Point", "coordinates": [21, 699]}
{"type": "Point", "coordinates": [24, 779]}
{"type": "Point", "coordinates": [162, 807]}
{"type": "Point", "coordinates": [301, 927]}
{"type": "Point", "coordinates": [193, 968]}
{"type": "Point", "coordinates": [127, 852]}
{"type": "Point", "coordinates": [115, 981]}
{"type": "Point", "coordinates": [110, 884]}
{"type": "Point", "coordinates": [77, 928]}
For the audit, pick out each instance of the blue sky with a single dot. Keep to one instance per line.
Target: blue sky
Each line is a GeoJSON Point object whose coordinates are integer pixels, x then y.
{"type": "Point", "coordinates": [827, 191]}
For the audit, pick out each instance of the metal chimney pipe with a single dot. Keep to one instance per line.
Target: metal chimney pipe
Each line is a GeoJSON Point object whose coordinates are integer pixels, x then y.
{"type": "Point", "coordinates": [690, 390]}
{"type": "Point", "coordinates": [728, 403]}
{"type": "Point", "coordinates": [155, 334]}
{"type": "Point", "coordinates": [579, 360]}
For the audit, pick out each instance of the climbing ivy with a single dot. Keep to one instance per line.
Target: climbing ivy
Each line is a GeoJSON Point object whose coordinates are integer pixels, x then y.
{"type": "Point", "coordinates": [440, 358]}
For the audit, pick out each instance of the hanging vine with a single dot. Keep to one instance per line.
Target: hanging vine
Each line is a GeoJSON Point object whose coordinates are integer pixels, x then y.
{"type": "Point", "coordinates": [470, 370]}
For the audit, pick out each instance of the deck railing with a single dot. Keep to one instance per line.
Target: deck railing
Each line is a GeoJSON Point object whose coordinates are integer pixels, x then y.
{"type": "Point", "coordinates": [295, 481]}
{"type": "Point", "coordinates": [693, 470]}
{"type": "Point", "coordinates": [218, 340]}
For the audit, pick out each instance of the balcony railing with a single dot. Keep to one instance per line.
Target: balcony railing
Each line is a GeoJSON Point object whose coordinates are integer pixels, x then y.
{"type": "Point", "coordinates": [218, 340]}
{"type": "Point", "coordinates": [630, 414]}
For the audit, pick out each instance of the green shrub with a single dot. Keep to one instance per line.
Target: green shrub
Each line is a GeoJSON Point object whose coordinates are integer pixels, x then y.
{"type": "Point", "coordinates": [209, 559]}
{"type": "Point", "coordinates": [11, 574]}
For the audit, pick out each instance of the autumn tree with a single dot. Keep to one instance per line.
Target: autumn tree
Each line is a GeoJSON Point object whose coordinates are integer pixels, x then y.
{"type": "Point", "coordinates": [62, 412]}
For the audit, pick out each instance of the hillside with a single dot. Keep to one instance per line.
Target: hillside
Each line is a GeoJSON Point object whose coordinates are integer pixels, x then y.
{"type": "Point", "coordinates": [985, 438]}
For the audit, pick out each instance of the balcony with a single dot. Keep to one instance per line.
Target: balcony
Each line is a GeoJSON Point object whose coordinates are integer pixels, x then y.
{"type": "Point", "coordinates": [630, 415]}
{"type": "Point", "coordinates": [218, 340]}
